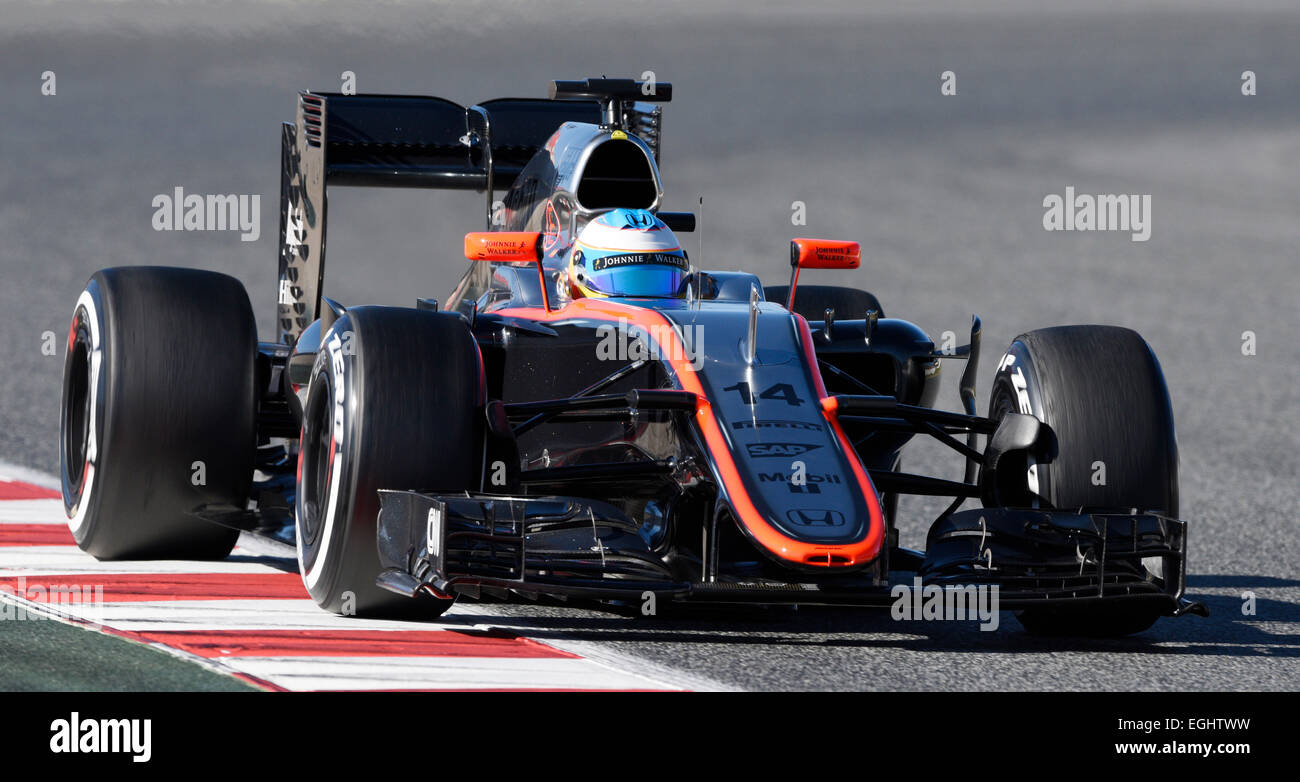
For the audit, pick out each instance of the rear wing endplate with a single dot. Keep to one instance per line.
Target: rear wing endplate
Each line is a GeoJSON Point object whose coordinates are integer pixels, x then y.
{"type": "Point", "coordinates": [403, 141]}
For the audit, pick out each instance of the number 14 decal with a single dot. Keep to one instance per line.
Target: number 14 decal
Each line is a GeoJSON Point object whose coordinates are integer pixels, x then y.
{"type": "Point", "coordinates": [783, 391]}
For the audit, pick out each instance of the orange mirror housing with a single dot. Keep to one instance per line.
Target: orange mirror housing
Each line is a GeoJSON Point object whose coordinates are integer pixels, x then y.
{"type": "Point", "coordinates": [503, 246]}
{"type": "Point", "coordinates": [824, 254]}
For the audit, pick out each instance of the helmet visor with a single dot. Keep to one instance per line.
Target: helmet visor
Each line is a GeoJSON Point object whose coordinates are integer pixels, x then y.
{"type": "Point", "coordinates": [636, 274]}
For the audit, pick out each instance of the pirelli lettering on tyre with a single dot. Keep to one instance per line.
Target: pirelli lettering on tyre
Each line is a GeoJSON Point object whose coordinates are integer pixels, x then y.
{"type": "Point", "coordinates": [1018, 382]}
{"type": "Point", "coordinates": [1020, 385]}
{"type": "Point", "coordinates": [340, 393]}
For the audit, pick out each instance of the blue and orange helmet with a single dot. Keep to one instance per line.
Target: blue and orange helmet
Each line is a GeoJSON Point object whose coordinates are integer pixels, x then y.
{"type": "Point", "coordinates": [627, 252]}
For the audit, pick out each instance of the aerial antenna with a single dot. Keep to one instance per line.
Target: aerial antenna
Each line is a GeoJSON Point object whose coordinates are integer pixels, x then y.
{"type": "Point", "coordinates": [699, 230]}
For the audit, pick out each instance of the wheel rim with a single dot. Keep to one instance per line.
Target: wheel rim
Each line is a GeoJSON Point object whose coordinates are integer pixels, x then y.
{"type": "Point", "coordinates": [1003, 401]}
{"type": "Point", "coordinates": [315, 462]}
{"type": "Point", "coordinates": [76, 412]}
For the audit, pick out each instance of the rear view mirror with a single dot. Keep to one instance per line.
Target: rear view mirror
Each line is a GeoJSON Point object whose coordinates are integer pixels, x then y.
{"type": "Point", "coordinates": [824, 254]}
{"type": "Point", "coordinates": [511, 246]}
{"type": "Point", "coordinates": [820, 254]}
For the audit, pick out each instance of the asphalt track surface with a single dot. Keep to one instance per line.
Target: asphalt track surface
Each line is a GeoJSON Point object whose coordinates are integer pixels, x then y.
{"type": "Point", "coordinates": [835, 106]}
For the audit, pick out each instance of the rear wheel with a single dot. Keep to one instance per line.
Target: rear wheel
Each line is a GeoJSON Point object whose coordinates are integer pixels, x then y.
{"type": "Point", "coordinates": [1101, 390]}
{"type": "Point", "coordinates": [395, 402]}
{"type": "Point", "coordinates": [812, 301]}
{"type": "Point", "coordinates": [158, 412]}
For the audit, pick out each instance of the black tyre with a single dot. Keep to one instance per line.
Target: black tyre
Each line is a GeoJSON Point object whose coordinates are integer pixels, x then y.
{"type": "Point", "coordinates": [812, 301]}
{"type": "Point", "coordinates": [1101, 390]}
{"type": "Point", "coordinates": [158, 412]}
{"type": "Point", "coordinates": [395, 402]}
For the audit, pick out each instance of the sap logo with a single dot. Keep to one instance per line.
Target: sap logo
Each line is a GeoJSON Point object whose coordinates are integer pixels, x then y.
{"type": "Point", "coordinates": [804, 517]}
{"type": "Point", "coordinates": [759, 450]}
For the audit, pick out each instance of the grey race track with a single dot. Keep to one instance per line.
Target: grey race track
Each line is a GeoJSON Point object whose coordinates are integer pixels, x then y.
{"type": "Point", "coordinates": [835, 106]}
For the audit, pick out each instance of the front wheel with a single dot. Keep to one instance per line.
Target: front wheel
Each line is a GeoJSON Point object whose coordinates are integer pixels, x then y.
{"type": "Point", "coordinates": [1101, 391]}
{"type": "Point", "coordinates": [158, 412]}
{"type": "Point", "coordinates": [395, 402]}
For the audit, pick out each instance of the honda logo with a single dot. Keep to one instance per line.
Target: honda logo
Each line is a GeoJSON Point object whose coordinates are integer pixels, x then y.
{"type": "Point", "coordinates": [815, 518]}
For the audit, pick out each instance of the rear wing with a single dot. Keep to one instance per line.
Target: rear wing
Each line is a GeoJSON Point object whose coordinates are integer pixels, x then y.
{"type": "Point", "coordinates": [407, 141]}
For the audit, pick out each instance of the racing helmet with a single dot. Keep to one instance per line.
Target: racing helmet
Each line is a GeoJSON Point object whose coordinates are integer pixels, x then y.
{"type": "Point", "coordinates": [627, 252]}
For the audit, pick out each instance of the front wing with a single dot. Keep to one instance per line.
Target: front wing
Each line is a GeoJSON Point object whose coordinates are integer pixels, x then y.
{"type": "Point", "coordinates": [564, 547]}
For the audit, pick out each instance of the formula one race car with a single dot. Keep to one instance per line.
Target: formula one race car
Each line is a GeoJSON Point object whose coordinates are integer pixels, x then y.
{"type": "Point", "coordinates": [590, 414]}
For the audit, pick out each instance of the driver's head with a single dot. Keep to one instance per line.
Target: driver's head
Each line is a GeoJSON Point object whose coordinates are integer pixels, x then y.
{"type": "Point", "coordinates": [627, 252]}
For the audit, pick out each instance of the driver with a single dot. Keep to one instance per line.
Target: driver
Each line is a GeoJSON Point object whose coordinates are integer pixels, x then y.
{"type": "Point", "coordinates": [627, 252]}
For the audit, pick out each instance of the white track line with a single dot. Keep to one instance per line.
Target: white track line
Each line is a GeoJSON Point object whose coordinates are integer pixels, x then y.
{"type": "Point", "coordinates": [419, 673]}
{"type": "Point", "coordinates": [32, 512]}
{"type": "Point", "coordinates": [146, 615]}
{"type": "Point", "coordinates": [70, 560]}
{"type": "Point", "coordinates": [598, 668]}
{"type": "Point", "coordinates": [14, 472]}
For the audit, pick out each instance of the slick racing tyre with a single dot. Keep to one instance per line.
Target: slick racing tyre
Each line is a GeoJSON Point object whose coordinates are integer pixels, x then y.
{"type": "Point", "coordinates": [1101, 390]}
{"type": "Point", "coordinates": [395, 402]}
{"type": "Point", "coordinates": [812, 301]}
{"type": "Point", "coordinates": [158, 412]}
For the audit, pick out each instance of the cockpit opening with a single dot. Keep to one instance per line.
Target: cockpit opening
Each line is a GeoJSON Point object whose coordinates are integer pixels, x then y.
{"type": "Point", "coordinates": [618, 174]}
